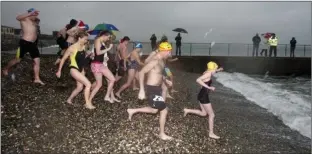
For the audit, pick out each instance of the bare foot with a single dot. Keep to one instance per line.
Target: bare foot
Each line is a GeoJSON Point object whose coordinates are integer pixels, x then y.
{"type": "Point", "coordinates": [130, 112]}
{"type": "Point", "coordinates": [173, 91]}
{"type": "Point", "coordinates": [118, 95]}
{"type": "Point", "coordinates": [214, 136]}
{"type": "Point", "coordinates": [115, 99]}
{"type": "Point", "coordinates": [108, 99]}
{"type": "Point", "coordinates": [5, 72]}
{"type": "Point", "coordinates": [135, 88]}
{"type": "Point", "coordinates": [165, 137]}
{"type": "Point", "coordinates": [69, 102]}
{"type": "Point", "coordinates": [169, 96]}
{"type": "Point", "coordinates": [185, 112]}
{"type": "Point", "coordinates": [89, 106]}
{"type": "Point", "coordinates": [39, 81]}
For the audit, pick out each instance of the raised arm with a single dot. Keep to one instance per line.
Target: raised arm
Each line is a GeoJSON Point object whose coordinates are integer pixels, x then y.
{"type": "Point", "coordinates": [98, 50]}
{"type": "Point", "coordinates": [72, 32]}
{"type": "Point", "coordinates": [23, 16]}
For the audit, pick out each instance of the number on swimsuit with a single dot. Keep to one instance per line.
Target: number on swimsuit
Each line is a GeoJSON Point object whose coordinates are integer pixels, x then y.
{"type": "Point", "coordinates": [158, 98]}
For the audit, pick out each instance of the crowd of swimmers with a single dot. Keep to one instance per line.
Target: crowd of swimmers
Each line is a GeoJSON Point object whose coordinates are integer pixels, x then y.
{"type": "Point", "coordinates": [74, 45]}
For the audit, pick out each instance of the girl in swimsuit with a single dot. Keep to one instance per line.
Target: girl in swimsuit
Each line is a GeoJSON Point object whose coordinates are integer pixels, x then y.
{"type": "Point", "coordinates": [77, 56]}
{"type": "Point", "coordinates": [100, 69]}
{"type": "Point", "coordinates": [134, 63]}
{"type": "Point", "coordinates": [203, 97]}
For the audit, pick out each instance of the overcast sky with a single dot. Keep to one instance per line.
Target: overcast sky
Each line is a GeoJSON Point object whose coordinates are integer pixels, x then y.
{"type": "Point", "coordinates": [230, 21]}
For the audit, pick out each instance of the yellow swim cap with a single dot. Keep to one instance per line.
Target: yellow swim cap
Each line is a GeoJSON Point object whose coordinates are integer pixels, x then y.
{"type": "Point", "coordinates": [164, 46]}
{"type": "Point", "coordinates": [212, 66]}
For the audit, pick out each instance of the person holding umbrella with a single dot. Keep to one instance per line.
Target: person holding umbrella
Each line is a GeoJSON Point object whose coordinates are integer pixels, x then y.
{"type": "Point", "coordinates": [178, 39]}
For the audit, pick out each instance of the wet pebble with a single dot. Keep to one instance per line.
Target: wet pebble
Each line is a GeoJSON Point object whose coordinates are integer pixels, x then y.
{"type": "Point", "coordinates": [38, 118]}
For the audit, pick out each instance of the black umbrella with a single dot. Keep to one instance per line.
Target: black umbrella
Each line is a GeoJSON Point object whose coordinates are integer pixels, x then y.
{"type": "Point", "coordinates": [180, 30]}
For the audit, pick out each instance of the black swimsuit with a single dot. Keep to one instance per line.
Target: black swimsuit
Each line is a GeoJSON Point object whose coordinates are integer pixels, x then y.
{"type": "Point", "coordinates": [203, 95]}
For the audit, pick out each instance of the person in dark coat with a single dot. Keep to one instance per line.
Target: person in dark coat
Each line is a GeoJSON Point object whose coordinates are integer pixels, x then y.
{"type": "Point", "coordinates": [293, 43]}
{"type": "Point", "coordinates": [256, 41]}
{"type": "Point", "coordinates": [178, 44]}
{"type": "Point", "coordinates": [153, 41]}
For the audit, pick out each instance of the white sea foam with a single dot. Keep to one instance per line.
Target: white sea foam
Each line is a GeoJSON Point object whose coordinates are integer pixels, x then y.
{"type": "Point", "coordinates": [292, 108]}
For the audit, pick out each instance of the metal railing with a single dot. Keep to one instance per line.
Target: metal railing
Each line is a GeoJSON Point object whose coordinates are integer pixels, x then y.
{"type": "Point", "coordinates": [232, 49]}
{"type": "Point", "coordinates": [204, 49]}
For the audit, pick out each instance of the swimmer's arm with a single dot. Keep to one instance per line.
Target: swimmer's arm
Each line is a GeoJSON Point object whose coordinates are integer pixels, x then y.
{"type": "Point", "coordinates": [98, 48]}
{"type": "Point", "coordinates": [23, 16]}
{"type": "Point", "coordinates": [201, 78]}
{"type": "Point", "coordinates": [219, 69]}
{"type": "Point", "coordinates": [137, 58]}
{"type": "Point", "coordinates": [144, 70]}
{"type": "Point", "coordinates": [72, 32]}
{"type": "Point", "coordinates": [172, 60]}
{"type": "Point", "coordinates": [167, 82]}
{"type": "Point", "coordinates": [66, 55]}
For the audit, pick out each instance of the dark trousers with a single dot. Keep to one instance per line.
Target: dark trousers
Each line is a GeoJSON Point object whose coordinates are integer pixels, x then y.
{"type": "Point", "coordinates": [255, 50]}
{"type": "Point", "coordinates": [265, 52]}
{"type": "Point", "coordinates": [292, 51]}
{"type": "Point", "coordinates": [178, 50]}
{"type": "Point", "coordinates": [272, 48]}
{"type": "Point", "coordinates": [153, 46]}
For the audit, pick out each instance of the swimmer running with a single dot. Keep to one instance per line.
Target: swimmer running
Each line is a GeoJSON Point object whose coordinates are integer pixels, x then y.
{"type": "Point", "coordinates": [76, 53]}
{"type": "Point", "coordinates": [154, 69]}
{"type": "Point", "coordinates": [122, 52]}
{"type": "Point", "coordinates": [133, 66]}
{"type": "Point", "coordinates": [203, 97]}
{"type": "Point", "coordinates": [27, 43]}
{"type": "Point", "coordinates": [61, 41]}
{"type": "Point", "coordinates": [99, 69]}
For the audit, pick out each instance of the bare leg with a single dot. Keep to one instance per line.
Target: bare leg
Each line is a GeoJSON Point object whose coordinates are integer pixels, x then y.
{"type": "Point", "coordinates": [149, 110]}
{"type": "Point", "coordinates": [172, 89]}
{"type": "Point", "coordinates": [9, 65]}
{"type": "Point", "coordinates": [108, 74]}
{"type": "Point", "coordinates": [162, 122]}
{"type": "Point", "coordinates": [80, 77]}
{"type": "Point", "coordinates": [36, 71]}
{"type": "Point", "coordinates": [211, 115]}
{"type": "Point", "coordinates": [131, 73]}
{"type": "Point", "coordinates": [201, 112]}
{"type": "Point", "coordinates": [117, 78]}
{"type": "Point", "coordinates": [113, 97]}
{"type": "Point", "coordinates": [93, 85]}
{"type": "Point", "coordinates": [75, 92]}
{"type": "Point", "coordinates": [96, 87]}
{"type": "Point", "coordinates": [135, 87]}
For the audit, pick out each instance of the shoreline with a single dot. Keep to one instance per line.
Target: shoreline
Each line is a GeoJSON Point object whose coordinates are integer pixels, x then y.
{"type": "Point", "coordinates": [36, 119]}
